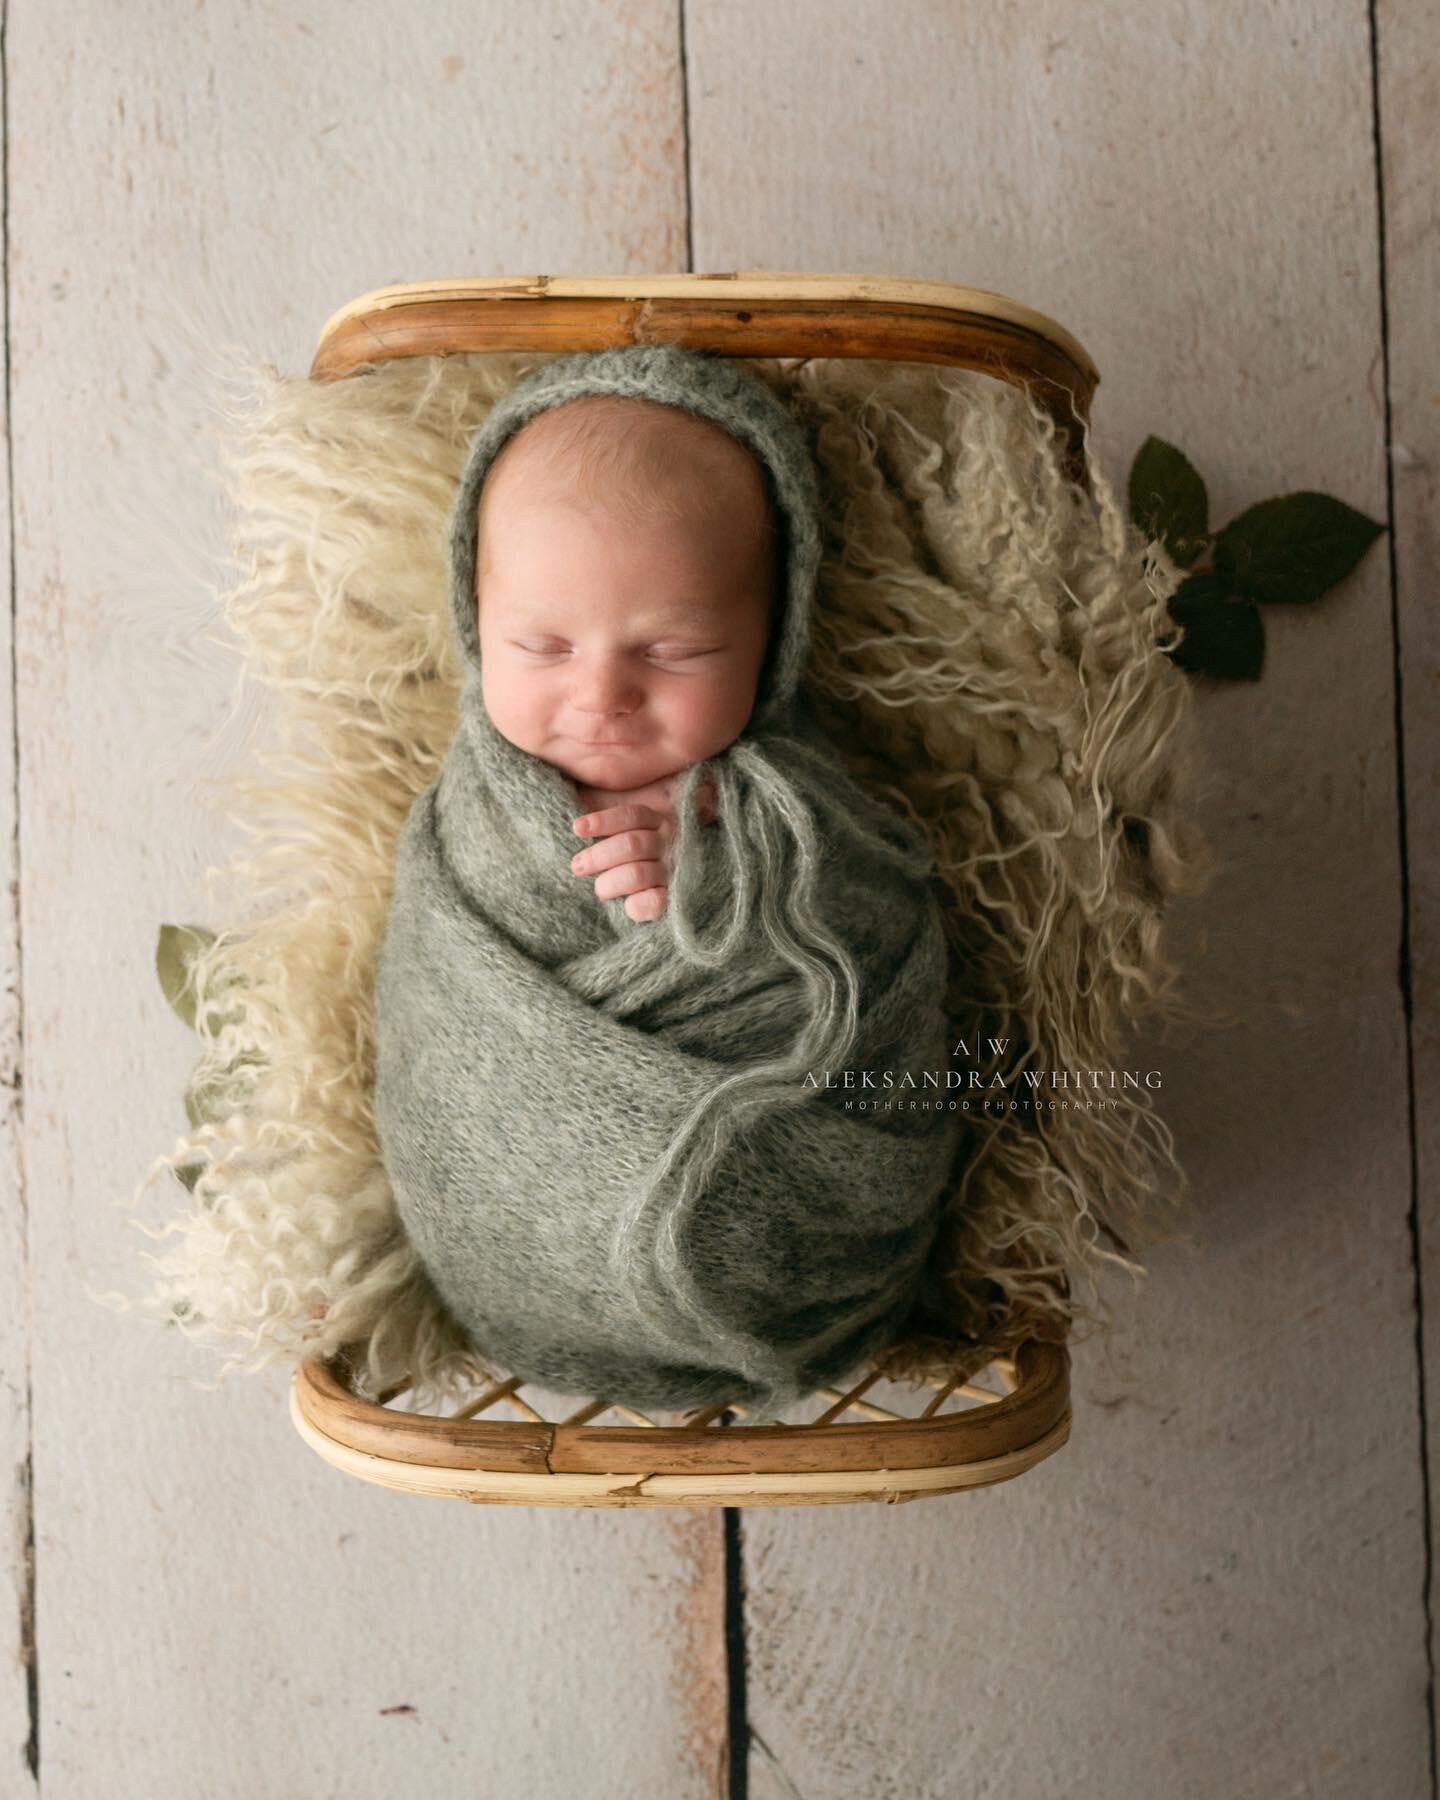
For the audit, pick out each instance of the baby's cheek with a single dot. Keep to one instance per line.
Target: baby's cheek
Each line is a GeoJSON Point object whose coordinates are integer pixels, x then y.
{"type": "Point", "coordinates": [711, 719]}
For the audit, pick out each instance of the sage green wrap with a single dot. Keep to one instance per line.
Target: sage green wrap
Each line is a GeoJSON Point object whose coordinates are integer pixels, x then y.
{"type": "Point", "coordinates": [625, 1151]}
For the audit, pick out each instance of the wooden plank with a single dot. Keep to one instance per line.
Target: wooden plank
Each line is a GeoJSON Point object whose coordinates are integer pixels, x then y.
{"type": "Point", "coordinates": [1217, 1589]}
{"type": "Point", "coordinates": [219, 1613]}
{"type": "Point", "coordinates": [1408, 94]}
{"type": "Point", "coordinates": [17, 1592]}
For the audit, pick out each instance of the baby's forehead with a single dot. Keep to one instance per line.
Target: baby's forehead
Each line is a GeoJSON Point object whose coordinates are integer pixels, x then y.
{"type": "Point", "coordinates": [601, 417]}
{"type": "Point", "coordinates": [599, 443]}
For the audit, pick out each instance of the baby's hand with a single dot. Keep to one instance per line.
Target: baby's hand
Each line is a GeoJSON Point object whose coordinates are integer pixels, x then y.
{"type": "Point", "coordinates": [637, 829]}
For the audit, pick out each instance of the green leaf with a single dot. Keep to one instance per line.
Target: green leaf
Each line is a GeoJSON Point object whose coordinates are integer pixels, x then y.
{"type": "Point", "coordinates": [1292, 549]}
{"type": "Point", "coordinates": [1168, 500]}
{"type": "Point", "coordinates": [1223, 637]}
{"type": "Point", "coordinates": [176, 952]}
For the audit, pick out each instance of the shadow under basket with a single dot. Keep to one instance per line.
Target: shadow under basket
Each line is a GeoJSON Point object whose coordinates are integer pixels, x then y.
{"type": "Point", "coordinates": [930, 1436]}
{"type": "Point", "coordinates": [878, 1440]}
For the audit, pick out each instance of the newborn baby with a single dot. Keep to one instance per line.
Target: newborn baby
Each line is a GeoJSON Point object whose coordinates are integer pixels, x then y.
{"type": "Point", "coordinates": [616, 1087]}
{"type": "Point", "coordinates": [626, 576]}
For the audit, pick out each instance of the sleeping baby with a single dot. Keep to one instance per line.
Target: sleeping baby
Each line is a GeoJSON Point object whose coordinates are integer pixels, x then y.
{"type": "Point", "coordinates": [629, 1095]}
{"type": "Point", "coordinates": [625, 585]}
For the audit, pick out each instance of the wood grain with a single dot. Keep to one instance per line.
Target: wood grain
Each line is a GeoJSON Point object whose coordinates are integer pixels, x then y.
{"type": "Point", "coordinates": [1218, 1588]}
{"type": "Point", "coordinates": [1236, 1516]}
{"type": "Point", "coordinates": [218, 1613]}
{"type": "Point", "coordinates": [17, 1589]}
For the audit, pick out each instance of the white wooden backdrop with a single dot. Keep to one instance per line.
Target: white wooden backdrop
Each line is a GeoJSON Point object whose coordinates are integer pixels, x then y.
{"type": "Point", "coordinates": [1221, 1588]}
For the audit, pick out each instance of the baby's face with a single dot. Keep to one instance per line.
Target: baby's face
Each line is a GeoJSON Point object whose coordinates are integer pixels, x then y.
{"type": "Point", "coordinates": [619, 651]}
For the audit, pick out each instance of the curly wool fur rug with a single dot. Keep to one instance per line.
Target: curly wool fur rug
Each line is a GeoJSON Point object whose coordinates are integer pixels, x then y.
{"type": "Point", "coordinates": [989, 652]}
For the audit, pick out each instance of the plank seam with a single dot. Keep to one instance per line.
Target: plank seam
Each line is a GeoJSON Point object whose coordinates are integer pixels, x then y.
{"type": "Point", "coordinates": [1403, 849]}
{"type": "Point", "coordinates": [736, 1693]}
{"type": "Point", "coordinates": [685, 137]}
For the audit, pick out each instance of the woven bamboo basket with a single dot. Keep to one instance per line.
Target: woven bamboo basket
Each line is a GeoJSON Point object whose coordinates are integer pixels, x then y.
{"type": "Point", "coordinates": [969, 1429]}
{"type": "Point", "coordinates": [993, 1431]}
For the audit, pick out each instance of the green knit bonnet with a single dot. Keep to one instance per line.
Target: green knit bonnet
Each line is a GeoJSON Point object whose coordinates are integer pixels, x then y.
{"type": "Point", "coordinates": [713, 389]}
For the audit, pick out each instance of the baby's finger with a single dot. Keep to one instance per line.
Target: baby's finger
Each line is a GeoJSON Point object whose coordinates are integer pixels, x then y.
{"type": "Point", "coordinates": [624, 846]}
{"type": "Point", "coordinates": [629, 878]}
{"type": "Point", "coordinates": [611, 819]}
{"type": "Point", "coordinates": [648, 904]}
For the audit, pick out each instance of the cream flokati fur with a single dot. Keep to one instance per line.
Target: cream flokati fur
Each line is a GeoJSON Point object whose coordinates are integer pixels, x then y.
{"type": "Point", "coordinates": [987, 651]}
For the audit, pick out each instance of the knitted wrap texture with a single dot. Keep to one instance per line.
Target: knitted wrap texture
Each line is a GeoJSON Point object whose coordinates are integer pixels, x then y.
{"type": "Point", "coordinates": [599, 1132]}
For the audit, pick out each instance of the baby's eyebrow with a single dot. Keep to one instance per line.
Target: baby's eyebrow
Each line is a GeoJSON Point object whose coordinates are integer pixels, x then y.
{"type": "Point", "coordinates": [689, 640]}
{"type": "Point", "coordinates": [692, 622]}
{"type": "Point", "coordinates": [695, 619]}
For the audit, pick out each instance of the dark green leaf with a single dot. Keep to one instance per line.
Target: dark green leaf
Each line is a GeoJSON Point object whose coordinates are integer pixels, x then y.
{"type": "Point", "coordinates": [1168, 500]}
{"type": "Point", "coordinates": [1223, 637]}
{"type": "Point", "coordinates": [176, 951]}
{"type": "Point", "coordinates": [1292, 549]}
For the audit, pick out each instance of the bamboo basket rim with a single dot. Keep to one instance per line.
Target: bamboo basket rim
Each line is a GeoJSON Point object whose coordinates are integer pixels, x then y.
{"type": "Point", "coordinates": [745, 313]}
{"type": "Point", "coordinates": [877, 291]}
{"type": "Point", "coordinates": [538, 1461]}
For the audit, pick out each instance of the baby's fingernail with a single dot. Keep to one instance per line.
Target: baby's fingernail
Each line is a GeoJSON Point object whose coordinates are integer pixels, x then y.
{"type": "Point", "coordinates": [582, 825]}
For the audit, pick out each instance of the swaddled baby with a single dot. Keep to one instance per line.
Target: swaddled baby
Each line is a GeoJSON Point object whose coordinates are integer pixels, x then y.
{"type": "Point", "coordinates": [625, 590]}
{"type": "Point", "coordinates": [665, 1115]}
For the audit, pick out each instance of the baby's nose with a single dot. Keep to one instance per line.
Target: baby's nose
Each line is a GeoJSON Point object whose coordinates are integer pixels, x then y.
{"type": "Point", "coordinates": [606, 693]}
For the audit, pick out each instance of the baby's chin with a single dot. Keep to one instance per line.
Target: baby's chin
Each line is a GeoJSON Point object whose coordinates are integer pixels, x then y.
{"type": "Point", "coordinates": [618, 766]}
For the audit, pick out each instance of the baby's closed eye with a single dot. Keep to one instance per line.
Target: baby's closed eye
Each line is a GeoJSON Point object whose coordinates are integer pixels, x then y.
{"type": "Point", "coordinates": [554, 648]}
{"type": "Point", "coordinates": [665, 653]}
